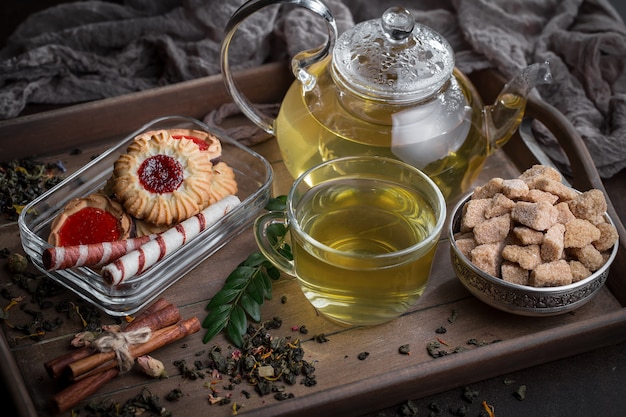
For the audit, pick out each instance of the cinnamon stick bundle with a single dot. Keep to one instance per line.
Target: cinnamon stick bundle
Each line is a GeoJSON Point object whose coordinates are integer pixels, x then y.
{"type": "Point", "coordinates": [160, 314]}
{"type": "Point", "coordinates": [99, 373]}
{"type": "Point", "coordinates": [101, 361]}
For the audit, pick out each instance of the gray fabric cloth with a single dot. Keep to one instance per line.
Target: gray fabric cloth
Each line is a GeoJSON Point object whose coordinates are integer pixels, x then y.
{"type": "Point", "coordinates": [89, 50]}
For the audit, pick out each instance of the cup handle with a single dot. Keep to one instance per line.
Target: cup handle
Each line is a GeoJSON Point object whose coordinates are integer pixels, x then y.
{"type": "Point", "coordinates": [299, 63]}
{"type": "Point", "coordinates": [268, 249]}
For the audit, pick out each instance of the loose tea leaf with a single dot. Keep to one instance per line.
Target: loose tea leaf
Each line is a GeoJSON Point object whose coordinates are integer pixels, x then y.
{"type": "Point", "coordinates": [405, 349]}
{"type": "Point", "coordinates": [453, 316]}
{"type": "Point", "coordinates": [21, 181]}
{"type": "Point", "coordinates": [469, 394]}
{"type": "Point", "coordinates": [143, 402]}
{"type": "Point", "coordinates": [266, 362]}
{"type": "Point", "coordinates": [247, 287]}
{"type": "Point", "coordinates": [408, 409]}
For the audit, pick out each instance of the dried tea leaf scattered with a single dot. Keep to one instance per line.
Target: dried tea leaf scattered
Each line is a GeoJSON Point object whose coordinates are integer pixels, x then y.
{"type": "Point", "coordinates": [174, 395]}
{"type": "Point", "coordinates": [408, 409]}
{"type": "Point", "coordinates": [21, 181]}
{"type": "Point", "coordinates": [17, 263]}
{"type": "Point", "coordinates": [453, 316]}
{"type": "Point", "coordinates": [269, 364]}
{"type": "Point", "coordinates": [405, 349]}
{"type": "Point", "coordinates": [460, 411]}
{"type": "Point", "coordinates": [520, 393]}
{"type": "Point", "coordinates": [320, 338]}
{"type": "Point", "coordinates": [508, 381]}
{"type": "Point", "coordinates": [469, 394]}
{"type": "Point", "coordinates": [144, 402]}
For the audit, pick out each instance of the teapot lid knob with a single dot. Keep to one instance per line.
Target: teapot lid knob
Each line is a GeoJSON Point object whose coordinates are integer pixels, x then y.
{"type": "Point", "coordinates": [397, 23]}
{"type": "Point", "coordinates": [393, 59]}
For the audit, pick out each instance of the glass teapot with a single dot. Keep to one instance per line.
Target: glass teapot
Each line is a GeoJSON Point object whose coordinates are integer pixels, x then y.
{"type": "Point", "coordinates": [387, 87]}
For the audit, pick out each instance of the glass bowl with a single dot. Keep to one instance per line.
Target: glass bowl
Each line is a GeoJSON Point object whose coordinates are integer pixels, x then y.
{"type": "Point", "coordinates": [254, 177]}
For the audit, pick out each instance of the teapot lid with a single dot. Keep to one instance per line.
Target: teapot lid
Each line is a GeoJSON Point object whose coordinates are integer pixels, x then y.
{"type": "Point", "coordinates": [393, 59]}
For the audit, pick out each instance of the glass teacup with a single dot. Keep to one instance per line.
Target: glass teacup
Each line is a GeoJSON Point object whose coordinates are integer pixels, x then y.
{"type": "Point", "coordinates": [363, 231]}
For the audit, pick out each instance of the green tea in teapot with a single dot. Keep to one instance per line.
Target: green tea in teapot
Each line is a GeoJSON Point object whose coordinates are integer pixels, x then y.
{"type": "Point", "coordinates": [452, 162]}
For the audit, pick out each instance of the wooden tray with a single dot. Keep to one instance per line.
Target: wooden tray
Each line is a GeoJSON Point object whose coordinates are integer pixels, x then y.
{"type": "Point", "coordinates": [345, 384]}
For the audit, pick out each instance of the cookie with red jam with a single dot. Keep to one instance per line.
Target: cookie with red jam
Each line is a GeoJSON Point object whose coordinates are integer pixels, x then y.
{"type": "Point", "coordinates": [92, 219]}
{"type": "Point", "coordinates": [163, 180]}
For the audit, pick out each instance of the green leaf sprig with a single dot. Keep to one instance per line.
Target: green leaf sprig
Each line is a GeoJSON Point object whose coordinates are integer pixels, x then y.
{"type": "Point", "coordinates": [247, 287]}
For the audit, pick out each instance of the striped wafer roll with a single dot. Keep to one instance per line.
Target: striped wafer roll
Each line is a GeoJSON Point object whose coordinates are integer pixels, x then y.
{"type": "Point", "coordinates": [93, 254]}
{"type": "Point", "coordinates": [140, 259]}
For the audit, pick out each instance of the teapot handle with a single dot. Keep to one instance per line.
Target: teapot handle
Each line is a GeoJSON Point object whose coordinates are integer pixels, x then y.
{"type": "Point", "coordinates": [299, 63]}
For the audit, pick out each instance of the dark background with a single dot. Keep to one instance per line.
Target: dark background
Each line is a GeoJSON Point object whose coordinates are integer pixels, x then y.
{"type": "Point", "coordinates": [589, 385]}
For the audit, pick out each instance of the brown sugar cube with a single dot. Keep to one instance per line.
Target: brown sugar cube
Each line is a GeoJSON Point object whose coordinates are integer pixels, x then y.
{"type": "Point", "coordinates": [489, 189]}
{"type": "Point", "coordinates": [608, 237]}
{"type": "Point", "coordinates": [536, 196]}
{"type": "Point", "coordinates": [552, 246]}
{"type": "Point", "coordinates": [465, 245]}
{"type": "Point", "coordinates": [493, 230]}
{"type": "Point", "coordinates": [515, 188]}
{"type": "Point", "coordinates": [551, 274]}
{"type": "Point", "coordinates": [579, 271]}
{"type": "Point", "coordinates": [513, 273]}
{"type": "Point", "coordinates": [528, 236]}
{"type": "Point", "coordinates": [463, 235]}
{"type": "Point", "coordinates": [539, 216]}
{"type": "Point", "coordinates": [474, 213]}
{"type": "Point", "coordinates": [579, 233]}
{"type": "Point", "coordinates": [537, 172]}
{"type": "Point", "coordinates": [487, 258]}
{"type": "Point", "coordinates": [588, 256]}
{"type": "Point", "coordinates": [500, 204]}
{"type": "Point", "coordinates": [562, 191]}
{"type": "Point", "coordinates": [590, 205]}
{"type": "Point", "coordinates": [565, 214]}
{"type": "Point", "coordinates": [528, 257]}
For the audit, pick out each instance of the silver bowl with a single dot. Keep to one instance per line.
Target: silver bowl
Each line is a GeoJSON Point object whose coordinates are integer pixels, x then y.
{"type": "Point", "coordinates": [521, 299]}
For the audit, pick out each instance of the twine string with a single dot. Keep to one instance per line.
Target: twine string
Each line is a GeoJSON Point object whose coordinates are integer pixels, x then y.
{"type": "Point", "coordinates": [119, 342]}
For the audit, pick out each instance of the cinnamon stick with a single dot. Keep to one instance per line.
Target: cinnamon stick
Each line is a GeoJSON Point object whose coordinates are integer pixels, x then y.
{"type": "Point", "coordinates": [159, 304]}
{"type": "Point", "coordinates": [166, 316]}
{"type": "Point", "coordinates": [99, 362]}
{"type": "Point", "coordinates": [75, 393]}
{"type": "Point", "coordinates": [158, 315]}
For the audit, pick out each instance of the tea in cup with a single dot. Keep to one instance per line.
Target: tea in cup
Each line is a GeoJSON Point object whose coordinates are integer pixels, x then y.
{"type": "Point", "coordinates": [363, 232]}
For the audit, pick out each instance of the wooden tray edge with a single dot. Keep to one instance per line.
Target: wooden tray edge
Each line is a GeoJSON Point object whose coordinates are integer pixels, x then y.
{"type": "Point", "coordinates": [68, 127]}
{"type": "Point", "coordinates": [14, 382]}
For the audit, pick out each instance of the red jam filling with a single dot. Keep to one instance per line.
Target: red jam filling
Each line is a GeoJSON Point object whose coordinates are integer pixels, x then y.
{"type": "Point", "coordinates": [201, 144]}
{"type": "Point", "coordinates": [89, 225]}
{"type": "Point", "coordinates": [160, 174]}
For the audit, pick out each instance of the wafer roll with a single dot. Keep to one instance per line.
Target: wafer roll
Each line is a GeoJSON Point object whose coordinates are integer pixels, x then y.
{"type": "Point", "coordinates": [92, 255]}
{"type": "Point", "coordinates": [137, 261]}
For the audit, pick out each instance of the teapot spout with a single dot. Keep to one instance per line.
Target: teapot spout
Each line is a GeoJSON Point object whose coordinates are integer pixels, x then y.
{"type": "Point", "coordinates": [503, 117]}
